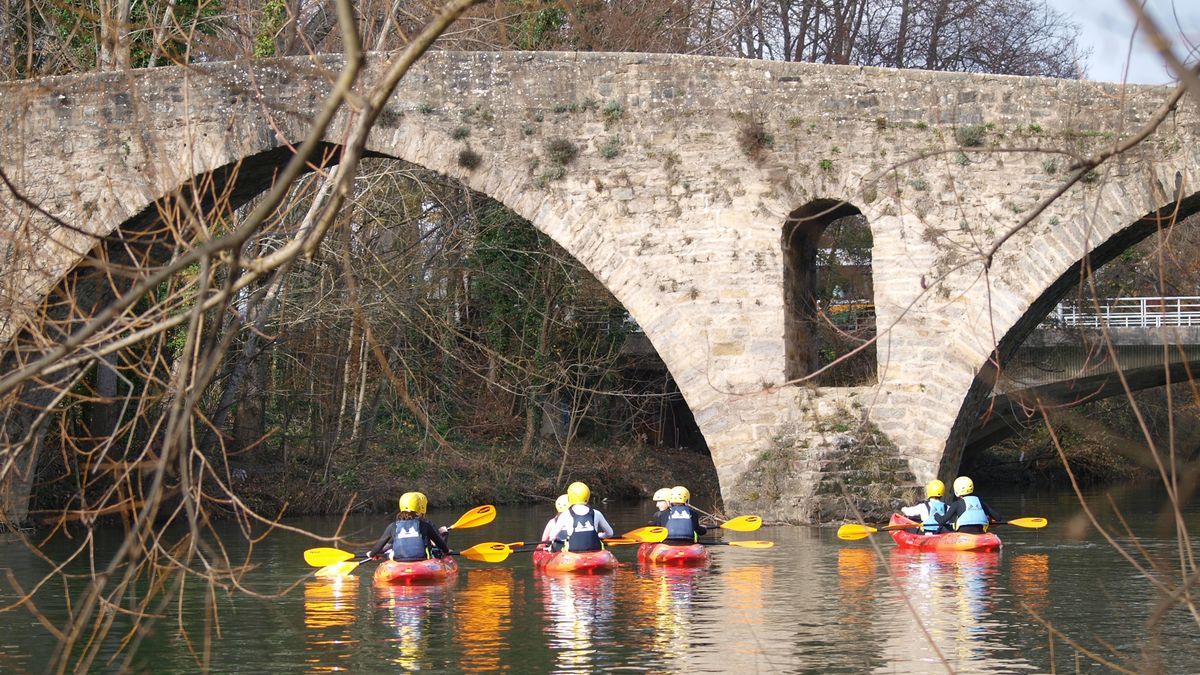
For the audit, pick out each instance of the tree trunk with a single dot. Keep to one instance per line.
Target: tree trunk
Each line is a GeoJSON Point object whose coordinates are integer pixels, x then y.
{"type": "Point", "coordinates": [935, 30]}
{"type": "Point", "coordinates": [901, 35]}
{"type": "Point", "coordinates": [114, 35]}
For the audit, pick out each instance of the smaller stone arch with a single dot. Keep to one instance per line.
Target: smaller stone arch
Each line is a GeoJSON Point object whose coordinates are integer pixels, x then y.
{"type": "Point", "coordinates": [828, 293]}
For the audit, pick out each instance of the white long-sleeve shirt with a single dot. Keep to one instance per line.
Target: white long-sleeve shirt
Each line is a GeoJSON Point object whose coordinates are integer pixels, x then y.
{"type": "Point", "coordinates": [550, 530]}
{"type": "Point", "coordinates": [566, 521]}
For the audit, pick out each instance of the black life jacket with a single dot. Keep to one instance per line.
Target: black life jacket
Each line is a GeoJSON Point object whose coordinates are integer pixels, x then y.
{"type": "Point", "coordinates": [583, 532]}
{"type": "Point", "coordinates": [407, 541]}
{"type": "Point", "coordinates": [679, 523]}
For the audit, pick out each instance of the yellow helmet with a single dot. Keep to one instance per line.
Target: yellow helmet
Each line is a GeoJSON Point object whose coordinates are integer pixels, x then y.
{"type": "Point", "coordinates": [963, 486]}
{"type": "Point", "coordinates": [680, 495]}
{"type": "Point", "coordinates": [578, 493]}
{"type": "Point", "coordinates": [414, 502]}
{"type": "Point", "coordinates": [662, 495]}
{"type": "Point", "coordinates": [935, 488]}
{"type": "Point", "coordinates": [561, 503]}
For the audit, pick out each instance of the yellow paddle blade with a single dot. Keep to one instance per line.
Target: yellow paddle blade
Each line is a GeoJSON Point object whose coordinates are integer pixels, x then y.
{"type": "Point", "coordinates": [515, 544]}
{"type": "Point", "coordinates": [651, 534]}
{"type": "Point", "coordinates": [480, 515]}
{"type": "Point", "coordinates": [1035, 523]}
{"type": "Point", "coordinates": [743, 524]}
{"type": "Point", "coordinates": [852, 531]}
{"type": "Point", "coordinates": [621, 541]}
{"type": "Point", "coordinates": [490, 552]}
{"type": "Point", "coordinates": [751, 544]}
{"type": "Point", "coordinates": [320, 557]}
{"type": "Point", "coordinates": [338, 569]}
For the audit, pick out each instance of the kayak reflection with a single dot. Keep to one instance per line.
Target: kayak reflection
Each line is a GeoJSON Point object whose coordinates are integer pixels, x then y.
{"type": "Point", "coordinates": [578, 611]}
{"type": "Point", "coordinates": [329, 615]}
{"type": "Point", "coordinates": [408, 611]}
{"type": "Point", "coordinates": [950, 593]}
{"type": "Point", "coordinates": [483, 617]}
{"type": "Point", "coordinates": [666, 593]}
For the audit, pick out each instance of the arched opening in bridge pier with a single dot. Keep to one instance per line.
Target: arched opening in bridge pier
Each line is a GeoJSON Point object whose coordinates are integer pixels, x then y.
{"type": "Point", "coordinates": [1110, 334]}
{"type": "Point", "coordinates": [436, 333]}
{"type": "Point", "coordinates": [829, 308]}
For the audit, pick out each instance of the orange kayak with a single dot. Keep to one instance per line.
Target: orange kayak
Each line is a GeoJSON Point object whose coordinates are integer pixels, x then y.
{"type": "Point", "coordinates": [570, 562]}
{"type": "Point", "coordinates": [947, 541]}
{"type": "Point", "coordinates": [668, 554]}
{"type": "Point", "coordinates": [428, 571]}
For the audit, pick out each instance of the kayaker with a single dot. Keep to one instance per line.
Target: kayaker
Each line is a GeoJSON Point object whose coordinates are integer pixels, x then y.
{"type": "Point", "coordinates": [583, 526]}
{"type": "Point", "coordinates": [411, 537]}
{"type": "Point", "coordinates": [662, 502]}
{"type": "Point", "coordinates": [682, 521]}
{"type": "Point", "coordinates": [552, 536]}
{"type": "Point", "coordinates": [968, 513]}
{"type": "Point", "coordinates": [927, 511]}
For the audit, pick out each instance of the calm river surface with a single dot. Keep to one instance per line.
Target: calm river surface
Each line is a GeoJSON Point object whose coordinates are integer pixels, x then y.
{"type": "Point", "coordinates": [811, 604]}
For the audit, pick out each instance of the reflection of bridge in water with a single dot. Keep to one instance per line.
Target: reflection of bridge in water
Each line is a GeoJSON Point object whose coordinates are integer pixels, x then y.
{"type": "Point", "coordinates": [1075, 356]}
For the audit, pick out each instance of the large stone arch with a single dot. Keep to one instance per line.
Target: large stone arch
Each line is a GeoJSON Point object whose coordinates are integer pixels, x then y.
{"type": "Point", "coordinates": [666, 205]}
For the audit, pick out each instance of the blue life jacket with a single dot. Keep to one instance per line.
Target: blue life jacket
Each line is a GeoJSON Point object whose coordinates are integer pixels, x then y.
{"type": "Point", "coordinates": [679, 523]}
{"type": "Point", "coordinates": [974, 513]}
{"type": "Point", "coordinates": [407, 542]}
{"type": "Point", "coordinates": [583, 532]}
{"type": "Point", "coordinates": [933, 507]}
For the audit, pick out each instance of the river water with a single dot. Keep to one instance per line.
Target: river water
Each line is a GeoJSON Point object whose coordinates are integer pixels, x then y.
{"type": "Point", "coordinates": [813, 603]}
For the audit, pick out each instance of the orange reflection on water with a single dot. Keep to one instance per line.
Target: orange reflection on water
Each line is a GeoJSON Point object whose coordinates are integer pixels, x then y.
{"type": "Point", "coordinates": [330, 602]}
{"type": "Point", "coordinates": [329, 613]}
{"type": "Point", "coordinates": [578, 611]}
{"type": "Point", "coordinates": [667, 591]}
{"type": "Point", "coordinates": [483, 611]}
{"type": "Point", "coordinates": [1030, 578]}
{"type": "Point", "coordinates": [856, 579]}
{"type": "Point", "coordinates": [408, 608]}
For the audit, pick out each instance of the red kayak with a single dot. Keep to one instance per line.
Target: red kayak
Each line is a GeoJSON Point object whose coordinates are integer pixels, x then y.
{"type": "Point", "coordinates": [570, 562]}
{"type": "Point", "coordinates": [668, 554]}
{"type": "Point", "coordinates": [947, 541]}
{"type": "Point", "coordinates": [428, 571]}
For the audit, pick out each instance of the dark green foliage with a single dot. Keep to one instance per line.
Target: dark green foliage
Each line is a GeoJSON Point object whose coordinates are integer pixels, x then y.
{"type": "Point", "coordinates": [75, 26]}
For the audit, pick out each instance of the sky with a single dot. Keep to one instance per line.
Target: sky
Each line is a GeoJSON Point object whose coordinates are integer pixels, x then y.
{"type": "Point", "coordinates": [1105, 28]}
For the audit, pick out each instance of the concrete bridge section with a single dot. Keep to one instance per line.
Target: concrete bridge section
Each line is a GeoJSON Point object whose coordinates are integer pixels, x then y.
{"type": "Point", "coordinates": [1063, 368]}
{"type": "Point", "coordinates": [696, 196]}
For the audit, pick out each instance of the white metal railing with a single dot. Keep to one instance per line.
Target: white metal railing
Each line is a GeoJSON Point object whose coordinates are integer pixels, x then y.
{"type": "Point", "coordinates": [1127, 312]}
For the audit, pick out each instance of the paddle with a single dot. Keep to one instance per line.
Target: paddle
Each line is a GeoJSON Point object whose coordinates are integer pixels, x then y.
{"type": "Point", "coordinates": [320, 557]}
{"type": "Point", "coordinates": [743, 523]}
{"type": "Point", "coordinates": [852, 531]}
{"type": "Point", "coordinates": [739, 524]}
{"type": "Point", "coordinates": [652, 534]}
{"type": "Point", "coordinates": [344, 562]}
{"type": "Point", "coordinates": [480, 515]}
{"type": "Point", "coordinates": [740, 544]}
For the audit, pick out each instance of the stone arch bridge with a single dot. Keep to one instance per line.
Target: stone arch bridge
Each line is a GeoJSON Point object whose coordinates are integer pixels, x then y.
{"type": "Point", "coordinates": [692, 178]}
